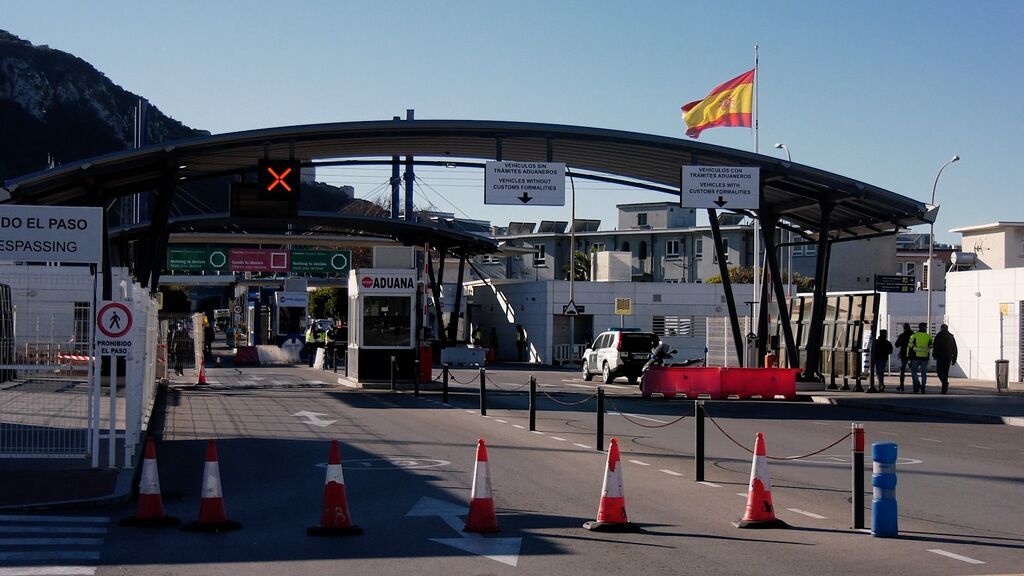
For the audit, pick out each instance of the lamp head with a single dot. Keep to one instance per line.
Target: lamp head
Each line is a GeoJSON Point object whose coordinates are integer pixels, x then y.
{"type": "Point", "coordinates": [780, 145]}
{"type": "Point", "coordinates": [955, 158]}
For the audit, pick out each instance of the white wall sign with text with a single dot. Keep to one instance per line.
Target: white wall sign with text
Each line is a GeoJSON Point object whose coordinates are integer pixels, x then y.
{"type": "Point", "coordinates": [525, 183]}
{"type": "Point", "coordinates": [51, 234]}
{"type": "Point", "coordinates": [720, 187]}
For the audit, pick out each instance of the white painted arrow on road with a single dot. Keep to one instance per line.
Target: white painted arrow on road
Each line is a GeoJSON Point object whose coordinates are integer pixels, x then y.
{"type": "Point", "coordinates": [504, 550]}
{"type": "Point", "coordinates": [314, 418]}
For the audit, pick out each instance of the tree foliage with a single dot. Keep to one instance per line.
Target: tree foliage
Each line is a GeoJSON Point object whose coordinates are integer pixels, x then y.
{"type": "Point", "coordinates": [745, 275]}
{"type": "Point", "coordinates": [328, 303]}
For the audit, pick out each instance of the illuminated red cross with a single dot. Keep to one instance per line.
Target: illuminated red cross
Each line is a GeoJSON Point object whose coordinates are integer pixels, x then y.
{"type": "Point", "coordinates": [279, 179]}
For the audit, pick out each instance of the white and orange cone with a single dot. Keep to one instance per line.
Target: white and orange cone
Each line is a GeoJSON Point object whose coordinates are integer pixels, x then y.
{"type": "Point", "coordinates": [335, 519]}
{"type": "Point", "coordinates": [481, 504]}
{"type": "Point", "coordinates": [150, 512]}
{"type": "Point", "coordinates": [202, 376]}
{"type": "Point", "coordinates": [212, 517]}
{"type": "Point", "coordinates": [760, 512]}
{"type": "Point", "coordinates": [611, 513]}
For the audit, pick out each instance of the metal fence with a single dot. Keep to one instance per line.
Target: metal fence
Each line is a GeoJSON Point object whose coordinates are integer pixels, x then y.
{"type": "Point", "coordinates": [181, 341]}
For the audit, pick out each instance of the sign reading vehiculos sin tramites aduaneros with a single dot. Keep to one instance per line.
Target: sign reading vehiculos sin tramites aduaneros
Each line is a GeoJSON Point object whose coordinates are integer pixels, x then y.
{"type": "Point", "coordinates": [51, 234]}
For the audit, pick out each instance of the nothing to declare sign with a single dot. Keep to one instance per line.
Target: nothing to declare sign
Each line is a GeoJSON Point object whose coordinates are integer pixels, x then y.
{"type": "Point", "coordinates": [525, 183]}
{"type": "Point", "coordinates": [720, 187]}
{"type": "Point", "coordinates": [51, 234]}
{"type": "Point", "coordinates": [189, 259]}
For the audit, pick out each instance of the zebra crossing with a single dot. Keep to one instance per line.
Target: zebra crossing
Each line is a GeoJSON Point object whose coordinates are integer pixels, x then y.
{"type": "Point", "coordinates": [48, 545]}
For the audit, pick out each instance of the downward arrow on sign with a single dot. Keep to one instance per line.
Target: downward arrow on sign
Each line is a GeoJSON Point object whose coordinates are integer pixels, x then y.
{"type": "Point", "coordinates": [525, 198]}
{"type": "Point", "coordinates": [721, 202]}
{"type": "Point", "coordinates": [504, 550]}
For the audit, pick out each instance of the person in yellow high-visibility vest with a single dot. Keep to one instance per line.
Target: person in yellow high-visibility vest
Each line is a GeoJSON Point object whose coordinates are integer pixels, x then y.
{"type": "Point", "coordinates": [919, 350]}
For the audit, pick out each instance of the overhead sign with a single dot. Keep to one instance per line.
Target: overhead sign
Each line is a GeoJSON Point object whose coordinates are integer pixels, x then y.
{"type": "Point", "coordinates": [279, 179]}
{"type": "Point", "coordinates": [894, 283]}
{"type": "Point", "coordinates": [524, 183]}
{"type": "Point", "coordinates": [720, 187]}
{"type": "Point", "coordinates": [624, 306]}
{"type": "Point", "coordinates": [51, 234]}
{"type": "Point", "coordinates": [257, 260]}
{"type": "Point", "coordinates": [291, 299]}
{"type": "Point", "coordinates": [321, 261]}
{"type": "Point", "coordinates": [192, 259]}
{"type": "Point", "coordinates": [114, 322]}
{"type": "Point", "coordinates": [381, 281]}
{"type": "Point", "coordinates": [571, 309]}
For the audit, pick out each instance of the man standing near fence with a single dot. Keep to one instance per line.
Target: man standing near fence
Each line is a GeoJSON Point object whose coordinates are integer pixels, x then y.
{"type": "Point", "coordinates": [901, 346]}
{"type": "Point", "coordinates": [919, 350]}
{"type": "Point", "coordinates": [945, 354]}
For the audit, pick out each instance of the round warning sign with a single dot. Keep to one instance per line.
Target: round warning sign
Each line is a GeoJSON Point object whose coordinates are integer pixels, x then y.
{"type": "Point", "coordinates": [114, 319]}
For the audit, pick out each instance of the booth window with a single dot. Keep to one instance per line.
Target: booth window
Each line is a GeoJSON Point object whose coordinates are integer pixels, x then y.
{"type": "Point", "coordinates": [290, 319]}
{"type": "Point", "coordinates": [386, 321]}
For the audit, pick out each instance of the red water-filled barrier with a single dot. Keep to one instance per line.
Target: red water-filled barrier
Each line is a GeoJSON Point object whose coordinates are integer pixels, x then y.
{"type": "Point", "coordinates": [720, 383]}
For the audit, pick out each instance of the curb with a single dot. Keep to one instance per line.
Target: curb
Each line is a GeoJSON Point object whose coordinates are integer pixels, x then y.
{"type": "Point", "coordinates": [911, 410]}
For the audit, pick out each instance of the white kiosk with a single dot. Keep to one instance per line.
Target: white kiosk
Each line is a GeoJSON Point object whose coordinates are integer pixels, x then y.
{"type": "Point", "coordinates": [382, 323]}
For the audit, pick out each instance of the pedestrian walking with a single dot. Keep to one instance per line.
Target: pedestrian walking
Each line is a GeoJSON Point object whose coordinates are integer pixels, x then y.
{"type": "Point", "coordinates": [919, 348]}
{"type": "Point", "coordinates": [901, 346]}
{"type": "Point", "coordinates": [944, 351]}
{"type": "Point", "coordinates": [208, 336]}
{"type": "Point", "coordinates": [311, 337]}
{"type": "Point", "coordinates": [880, 352]}
{"type": "Point", "coordinates": [521, 342]}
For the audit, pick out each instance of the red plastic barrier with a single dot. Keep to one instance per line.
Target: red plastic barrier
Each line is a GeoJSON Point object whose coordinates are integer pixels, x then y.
{"type": "Point", "coordinates": [426, 364]}
{"type": "Point", "coordinates": [246, 356]}
{"type": "Point", "coordinates": [720, 383]}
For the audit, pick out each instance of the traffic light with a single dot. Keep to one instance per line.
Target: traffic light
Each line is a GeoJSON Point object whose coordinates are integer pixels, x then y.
{"type": "Point", "coordinates": [280, 180]}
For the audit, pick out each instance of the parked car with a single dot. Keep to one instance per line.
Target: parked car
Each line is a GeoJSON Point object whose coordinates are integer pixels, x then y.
{"type": "Point", "coordinates": [619, 352]}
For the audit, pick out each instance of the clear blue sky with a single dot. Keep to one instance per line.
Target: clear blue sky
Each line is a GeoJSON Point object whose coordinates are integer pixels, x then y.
{"type": "Point", "coordinates": [883, 92]}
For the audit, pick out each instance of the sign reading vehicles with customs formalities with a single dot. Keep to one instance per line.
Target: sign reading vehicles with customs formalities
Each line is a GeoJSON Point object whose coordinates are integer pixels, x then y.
{"type": "Point", "coordinates": [720, 187]}
{"type": "Point", "coordinates": [524, 183]}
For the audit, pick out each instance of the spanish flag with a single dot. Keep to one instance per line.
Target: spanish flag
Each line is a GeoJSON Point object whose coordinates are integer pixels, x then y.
{"type": "Point", "coordinates": [729, 104]}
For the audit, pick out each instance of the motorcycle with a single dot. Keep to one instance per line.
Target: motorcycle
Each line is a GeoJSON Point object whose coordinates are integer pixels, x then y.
{"type": "Point", "coordinates": [662, 355]}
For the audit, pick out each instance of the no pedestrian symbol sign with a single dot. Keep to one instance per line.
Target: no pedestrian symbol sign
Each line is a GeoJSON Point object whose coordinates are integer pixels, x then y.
{"type": "Point", "coordinates": [114, 322]}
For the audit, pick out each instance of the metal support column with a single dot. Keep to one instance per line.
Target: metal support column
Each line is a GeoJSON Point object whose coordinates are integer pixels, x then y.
{"type": "Point", "coordinates": [768, 226]}
{"type": "Point", "coordinates": [453, 322]}
{"type": "Point", "coordinates": [812, 366]}
{"type": "Point", "coordinates": [160, 228]}
{"type": "Point", "coordinates": [730, 300]}
{"type": "Point", "coordinates": [410, 178]}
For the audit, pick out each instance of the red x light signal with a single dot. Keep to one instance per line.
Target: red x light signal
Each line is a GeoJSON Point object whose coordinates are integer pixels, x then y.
{"type": "Point", "coordinates": [279, 179]}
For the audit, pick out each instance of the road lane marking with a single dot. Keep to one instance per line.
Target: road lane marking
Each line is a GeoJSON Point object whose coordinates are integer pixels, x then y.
{"type": "Point", "coordinates": [536, 432]}
{"type": "Point", "coordinates": [821, 423]}
{"type": "Point", "coordinates": [49, 571]}
{"type": "Point", "coordinates": [931, 440]}
{"type": "Point", "coordinates": [978, 447]}
{"type": "Point", "coordinates": [711, 484]}
{"type": "Point", "coordinates": [557, 438]}
{"type": "Point", "coordinates": [837, 458]}
{"type": "Point", "coordinates": [639, 463]}
{"type": "Point", "coordinates": [583, 446]}
{"type": "Point", "coordinates": [502, 421]}
{"type": "Point", "coordinates": [806, 513]}
{"type": "Point", "coordinates": [470, 411]}
{"type": "Point", "coordinates": [743, 494]}
{"type": "Point", "coordinates": [518, 426]}
{"type": "Point", "coordinates": [639, 417]}
{"type": "Point", "coordinates": [889, 433]}
{"type": "Point", "coordinates": [670, 472]}
{"type": "Point", "coordinates": [954, 556]}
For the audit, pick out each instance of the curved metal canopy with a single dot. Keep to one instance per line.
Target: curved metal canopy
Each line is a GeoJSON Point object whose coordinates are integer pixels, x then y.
{"type": "Point", "coordinates": [794, 192]}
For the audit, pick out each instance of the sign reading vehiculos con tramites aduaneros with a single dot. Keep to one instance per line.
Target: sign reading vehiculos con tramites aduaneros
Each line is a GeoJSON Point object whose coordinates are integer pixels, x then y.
{"type": "Point", "coordinates": [51, 234]}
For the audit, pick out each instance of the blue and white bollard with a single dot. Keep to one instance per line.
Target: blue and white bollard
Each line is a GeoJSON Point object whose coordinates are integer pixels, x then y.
{"type": "Point", "coordinates": [884, 522]}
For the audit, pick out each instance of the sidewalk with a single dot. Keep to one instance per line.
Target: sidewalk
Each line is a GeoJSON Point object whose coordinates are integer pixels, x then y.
{"type": "Point", "coordinates": [967, 400]}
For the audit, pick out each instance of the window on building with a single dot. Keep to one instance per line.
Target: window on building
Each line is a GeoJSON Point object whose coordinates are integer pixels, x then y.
{"type": "Point", "coordinates": [643, 250]}
{"type": "Point", "coordinates": [641, 219]}
{"type": "Point", "coordinates": [597, 247]}
{"type": "Point", "coordinates": [540, 256]}
{"type": "Point", "coordinates": [1022, 247]}
{"type": "Point", "coordinates": [798, 250]}
{"type": "Point", "coordinates": [387, 321]}
{"type": "Point", "coordinates": [672, 325]}
{"type": "Point", "coordinates": [625, 247]}
{"type": "Point", "coordinates": [811, 250]}
{"type": "Point", "coordinates": [672, 248]}
{"type": "Point", "coordinates": [698, 248]}
{"type": "Point", "coordinates": [725, 250]}
{"type": "Point", "coordinates": [908, 269]}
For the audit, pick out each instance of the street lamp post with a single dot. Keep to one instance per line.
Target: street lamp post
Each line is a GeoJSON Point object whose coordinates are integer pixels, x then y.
{"type": "Point", "coordinates": [789, 158]}
{"type": "Point", "coordinates": [931, 243]}
{"type": "Point", "coordinates": [782, 146]}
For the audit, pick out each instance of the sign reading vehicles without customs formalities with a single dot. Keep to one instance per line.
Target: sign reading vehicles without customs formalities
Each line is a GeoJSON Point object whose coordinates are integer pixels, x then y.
{"type": "Point", "coordinates": [720, 187]}
{"type": "Point", "coordinates": [525, 183]}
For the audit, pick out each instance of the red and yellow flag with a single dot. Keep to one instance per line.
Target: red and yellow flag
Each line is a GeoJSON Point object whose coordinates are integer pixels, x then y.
{"type": "Point", "coordinates": [729, 104]}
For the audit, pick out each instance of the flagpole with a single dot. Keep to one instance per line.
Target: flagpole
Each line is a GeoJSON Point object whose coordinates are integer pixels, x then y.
{"type": "Point", "coordinates": [756, 282]}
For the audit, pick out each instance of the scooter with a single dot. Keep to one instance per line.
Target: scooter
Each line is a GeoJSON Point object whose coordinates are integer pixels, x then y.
{"type": "Point", "coordinates": [662, 355]}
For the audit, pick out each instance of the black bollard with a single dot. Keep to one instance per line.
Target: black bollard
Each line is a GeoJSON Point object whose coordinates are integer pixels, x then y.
{"type": "Point", "coordinates": [533, 403]}
{"type": "Point", "coordinates": [444, 383]}
{"type": "Point", "coordinates": [483, 391]}
{"type": "Point", "coordinates": [858, 476]}
{"type": "Point", "coordinates": [600, 418]}
{"type": "Point", "coordinates": [698, 440]}
{"type": "Point", "coordinates": [393, 388]}
{"type": "Point", "coordinates": [416, 376]}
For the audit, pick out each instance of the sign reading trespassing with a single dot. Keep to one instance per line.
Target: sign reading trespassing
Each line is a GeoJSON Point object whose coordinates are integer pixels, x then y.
{"type": "Point", "coordinates": [51, 234]}
{"type": "Point", "coordinates": [720, 187]}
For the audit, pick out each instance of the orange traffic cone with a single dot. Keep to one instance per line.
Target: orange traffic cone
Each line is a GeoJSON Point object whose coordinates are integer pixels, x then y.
{"type": "Point", "coordinates": [150, 512]}
{"type": "Point", "coordinates": [481, 505]}
{"type": "Point", "coordinates": [212, 517]}
{"type": "Point", "coordinates": [335, 520]}
{"type": "Point", "coordinates": [760, 512]}
{"type": "Point", "coordinates": [611, 513]}
{"type": "Point", "coordinates": [202, 375]}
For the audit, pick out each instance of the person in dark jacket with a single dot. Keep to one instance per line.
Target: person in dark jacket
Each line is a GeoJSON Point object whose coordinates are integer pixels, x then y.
{"type": "Point", "coordinates": [880, 353]}
{"type": "Point", "coordinates": [944, 351]}
{"type": "Point", "coordinates": [901, 347]}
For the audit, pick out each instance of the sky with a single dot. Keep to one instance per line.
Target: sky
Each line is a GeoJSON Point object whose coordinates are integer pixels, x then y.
{"type": "Point", "coordinates": [882, 92]}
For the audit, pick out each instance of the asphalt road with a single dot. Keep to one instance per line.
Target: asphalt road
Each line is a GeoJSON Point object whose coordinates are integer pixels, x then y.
{"type": "Point", "coordinates": [408, 464]}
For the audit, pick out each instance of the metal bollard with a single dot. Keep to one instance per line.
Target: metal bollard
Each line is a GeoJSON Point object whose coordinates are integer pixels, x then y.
{"type": "Point", "coordinates": [416, 377]}
{"type": "Point", "coordinates": [858, 476]}
{"type": "Point", "coordinates": [444, 383]}
{"type": "Point", "coordinates": [483, 391]}
{"type": "Point", "coordinates": [393, 388]}
{"type": "Point", "coordinates": [533, 403]}
{"type": "Point", "coordinates": [884, 520]}
{"type": "Point", "coordinates": [600, 418]}
{"type": "Point", "coordinates": [698, 441]}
